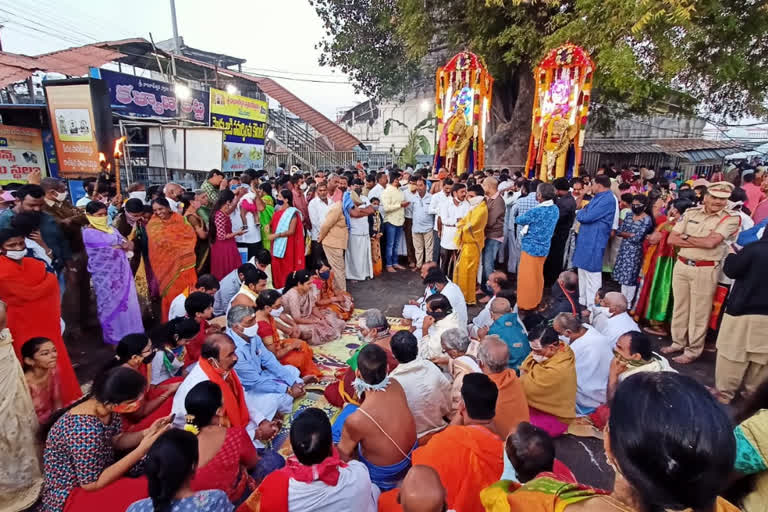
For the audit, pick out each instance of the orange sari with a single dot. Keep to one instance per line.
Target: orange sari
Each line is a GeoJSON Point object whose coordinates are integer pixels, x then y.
{"type": "Point", "coordinates": [301, 358]}
{"type": "Point", "coordinates": [329, 291]}
{"type": "Point", "coordinates": [172, 256]}
{"type": "Point", "coordinates": [34, 309]}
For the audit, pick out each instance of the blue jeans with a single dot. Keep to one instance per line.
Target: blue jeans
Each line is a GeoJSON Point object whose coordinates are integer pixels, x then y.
{"type": "Point", "coordinates": [270, 461]}
{"type": "Point", "coordinates": [392, 235]}
{"type": "Point", "coordinates": [490, 251]}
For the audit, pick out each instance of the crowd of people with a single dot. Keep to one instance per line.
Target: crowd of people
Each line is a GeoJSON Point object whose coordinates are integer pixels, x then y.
{"type": "Point", "coordinates": [537, 318]}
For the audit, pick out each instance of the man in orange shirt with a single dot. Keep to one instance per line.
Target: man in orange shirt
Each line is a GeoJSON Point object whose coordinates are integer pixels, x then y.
{"type": "Point", "coordinates": [511, 406]}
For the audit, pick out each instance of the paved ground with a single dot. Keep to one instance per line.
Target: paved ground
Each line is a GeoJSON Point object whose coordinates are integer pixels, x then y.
{"type": "Point", "coordinates": [585, 456]}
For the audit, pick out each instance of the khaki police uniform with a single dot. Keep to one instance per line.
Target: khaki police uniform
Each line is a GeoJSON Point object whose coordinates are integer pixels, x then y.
{"type": "Point", "coordinates": [695, 276]}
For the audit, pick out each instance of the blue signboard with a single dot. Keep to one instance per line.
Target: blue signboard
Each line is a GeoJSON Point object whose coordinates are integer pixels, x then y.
{"type": "Point", "coordinates": [50, 153]}
{"type": "Point", "coordinates": [143, 97]}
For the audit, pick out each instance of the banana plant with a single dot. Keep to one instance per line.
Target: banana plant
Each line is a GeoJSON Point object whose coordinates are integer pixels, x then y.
{"type": "Point", "coordinates": [417, 141]}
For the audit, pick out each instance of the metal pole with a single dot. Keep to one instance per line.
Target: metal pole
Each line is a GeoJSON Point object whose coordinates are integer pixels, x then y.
{"type": "Point", "coordinates": [175, 37]}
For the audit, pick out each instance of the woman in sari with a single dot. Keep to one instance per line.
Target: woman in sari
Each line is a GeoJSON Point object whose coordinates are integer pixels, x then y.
{"type": "Point", "coordinates": [654, 417]}
{"type": "Point", "coordinates": [135, 352]}
{"type": "Point", "coordinates": [290, 351]}
{"type": "Point", "coordinates": [374, 225]}
{"type": "Point", "coordinates": [315, 325]}
{"type": "Point", "coordinates": [192, 214]}
{"type": "Point", "coordinates": [117, 301]}
{"type": "Point", "coordinates": [171, 252]}
{"type": "Point", "coordinates": [655, 300]}
{"type": "Point", "coordinates": [224, 254]}
{"type": "Point", "coordinates": [20, 477]}
{"type": "Point", "coordinates": [331, 297]}
{"type": "Point", "coordinates": [287, 237]}
{"type": "Point", "coordinates": [32, 301]}
{"type": "Point", "coordinates": [265, 215]}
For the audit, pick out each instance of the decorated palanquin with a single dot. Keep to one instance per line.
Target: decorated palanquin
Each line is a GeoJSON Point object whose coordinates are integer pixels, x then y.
{"type": "Point", "coordinates": [560, 109]}
{"type": "Point", "coordinates": [463, 108]}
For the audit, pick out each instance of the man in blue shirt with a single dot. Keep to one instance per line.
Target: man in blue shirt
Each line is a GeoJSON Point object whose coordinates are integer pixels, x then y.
{"type": "Point", "coordinates": [270, 387]}
{"type": "Point", "coordinates": [596, 223]}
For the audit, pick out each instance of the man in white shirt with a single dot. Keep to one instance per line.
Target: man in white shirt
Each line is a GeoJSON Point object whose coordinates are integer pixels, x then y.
{"type": "Point", "coordinates": [381, 183]}
{"type": "Point", "coordinates": [451, 211]}
{"type": "Point", "coordinates": [357, 258]}
{"type": "Point", "coordinates": [440, 284]}
{"type": "Point", "coordinates": [444, 194]}
{"type": "Point", "coordinates": [206, 283]}
{"type": "Point", "coordinates": [173, 193]}
{"type": "Point", "coordinates": [416, 309]}
{"type": "Point", "coordinates": [315, 478]}
{"type": "Point", "coordinates": [618, 322]}
{"type": "Point", "coordinates": [593, 353]}
{"type": "Point", "coordinates": [427, 389]}
{"type": "Point", "coordinates": [318, 210]}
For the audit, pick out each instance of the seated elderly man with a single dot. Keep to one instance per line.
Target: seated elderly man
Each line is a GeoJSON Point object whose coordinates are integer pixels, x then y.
{"type": "Point", "coordinates": [633, 355]}
{"type": "Point", "coordinates": [594, 353]}
{"type": "Point", "coordinates": [511, 406]}
{"type": "Point", "coordinates": [300, 486]}
{"type": "Point", "coordinates": [416, 309]}
{"type": "Point", "coordinates": [269, 385]}
{"type": "Point", "coordinates": [548, 375]}
{"type": "Point", "coordinates": [422, 491]}
{"type": "Point", "coordinates": [455, 343]}
{"type": "Point", "coordinates": [564, 297]}
{"type": "Point", "coordinates": [217, 364]}
{"type": "Point", "coordinates": [507, 326]}
{"type": "Point", "coordinates": [381, 433]}
{"type": "Point", "coordinates": [497, 282]}
{"type": "Point", "coordinates": [440, 317]}
{"type": "Point", "coordinates": [617, 321]}
{"type": "Point", "coordinates": [427, 389]}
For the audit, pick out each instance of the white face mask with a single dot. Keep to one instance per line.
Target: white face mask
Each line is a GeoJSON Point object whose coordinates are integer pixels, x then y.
{"type": "Point", "coordinates": [277, 312]}
{"type": "Point", "coordinates": [61, 196]}
{"type": "Point", "coordinates": [403, 182]}
{"type": "Point", "coordinates": [565, 339]}
{"type": "Point", "coordinates": [303, 186]}
{"type": "Point", "coordinates": [251, 331]}
{"type": "Point", "coordinates": [539, 358]}
{"type": "Point", "coordinates": [16, 255]}
{"type": "Point", "coordinates": [139, 194]}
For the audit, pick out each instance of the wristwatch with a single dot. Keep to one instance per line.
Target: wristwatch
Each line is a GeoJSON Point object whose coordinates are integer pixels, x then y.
{"type": "Point", "coordinates": [685, 236]}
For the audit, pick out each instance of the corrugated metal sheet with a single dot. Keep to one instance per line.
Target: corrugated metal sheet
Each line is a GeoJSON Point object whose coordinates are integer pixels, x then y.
{"type": "Point", "coordinates": [690, 149]}
{"type": "Point", "coordinates": [621, 147]}
{"type": "Point", "coordinates": [73, 62]}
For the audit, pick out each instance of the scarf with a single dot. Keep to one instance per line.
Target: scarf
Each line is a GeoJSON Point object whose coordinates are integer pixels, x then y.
{"type": "Point", "coordinates": [347, 203]}
{"type": "Point", "coordinates": [326, 472]}
{"type": "Point", "coordinates": [232, 392]}
{"type": "Point", "coordinates": [279, 245]}
{"type": "Point", "coordinates": [100, 223]}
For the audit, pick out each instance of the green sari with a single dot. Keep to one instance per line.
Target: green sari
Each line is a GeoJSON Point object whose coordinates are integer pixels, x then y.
{"type": "Point", "coordinates": [265, 219]}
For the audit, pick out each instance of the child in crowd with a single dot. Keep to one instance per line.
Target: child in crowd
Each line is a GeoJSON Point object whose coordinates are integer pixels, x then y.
{"type": "Point", "coordinates": [40, 359]}
{"type": "Point", "coordinates": [171, 340]}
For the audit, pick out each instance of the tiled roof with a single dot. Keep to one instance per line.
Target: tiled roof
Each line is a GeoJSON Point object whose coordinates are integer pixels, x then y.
{"type": "Point", "coordinates": [73, 61]}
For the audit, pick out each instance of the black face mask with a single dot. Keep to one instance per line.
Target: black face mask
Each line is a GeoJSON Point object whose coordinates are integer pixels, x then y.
{"type": "Point", "coordinates": [437, 315]}
{"type": "Point", "coordinates": [150, 357]}
{"type": "Point", "coordinates": [637, 209]}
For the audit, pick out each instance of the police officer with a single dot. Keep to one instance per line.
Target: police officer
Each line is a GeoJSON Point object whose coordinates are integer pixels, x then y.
{"type": "Point", "coordinates": [701, 235]}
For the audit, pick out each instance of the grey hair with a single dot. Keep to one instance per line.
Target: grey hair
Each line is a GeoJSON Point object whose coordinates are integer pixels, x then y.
{"type": "Point", "coordinates": [375, 319]}
{"type": "Point", "coordinates": [455, 339]}
{"type": "Point", "coordinates": [568, 321]}
{"type": "Point", "coordinates": [239, 313]}
{"type": "Point", "coordinates": [495, 360]}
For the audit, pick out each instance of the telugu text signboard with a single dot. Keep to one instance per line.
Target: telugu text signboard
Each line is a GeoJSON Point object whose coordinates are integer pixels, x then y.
{"type": "Point", "coordinates": [143, 97]}
{"type": "Point", "coordinates": [244, 121]}
{"type": "Point", "coordinates": [21, 153]}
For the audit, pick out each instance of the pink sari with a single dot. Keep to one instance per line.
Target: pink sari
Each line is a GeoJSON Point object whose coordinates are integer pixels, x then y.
{"type": "Point", "coordinates": [327, 326]}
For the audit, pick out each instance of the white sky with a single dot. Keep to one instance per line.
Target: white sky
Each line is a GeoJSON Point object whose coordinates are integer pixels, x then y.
{"type": "Point", "coordinates": [270, 34]}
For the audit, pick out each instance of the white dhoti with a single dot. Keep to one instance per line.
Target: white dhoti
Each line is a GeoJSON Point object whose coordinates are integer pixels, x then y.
{"type": "Point", "coordinates": [264, 406]}
{"type": "Point", "coordinates": [359, 265]}
{"type": "Point", "coordinates": [415, 314]}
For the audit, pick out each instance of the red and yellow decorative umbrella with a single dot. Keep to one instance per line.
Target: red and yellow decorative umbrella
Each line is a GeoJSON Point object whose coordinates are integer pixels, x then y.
{"type": "Point", "coordinates": [560, 110]}
{"type": "Point", "coordinates": [463, 108]}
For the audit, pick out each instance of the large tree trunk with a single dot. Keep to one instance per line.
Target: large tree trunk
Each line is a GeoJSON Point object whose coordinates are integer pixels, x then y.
{"type": "Point", "coordinates": [513, 105]}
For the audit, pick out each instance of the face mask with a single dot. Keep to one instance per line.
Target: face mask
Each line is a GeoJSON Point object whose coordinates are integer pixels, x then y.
{"type": "Point", "coordinates": [277, 312]}
{"type": "Point", "coordinates": [215, 365]}
{"type": "Point", "coordinates": [637, 210]}
{"type": "Point", "coordinates": [303, 186]}
{"type": "Point", "coordinates": [279, 202]}
{"type": "Point", "coordinates": [403, 182]}
{"type": "Point", "coordinates": [565, 339]}
{"type": "Point", "coordinates": [99, 223]}
{"type": "Point", "coordinates": [141, 195]}
{"type": "Point", "coordinates": [433, 290]}
{"type": "Point", "coordinates": [325, 275]}
{"type": "Point", "coordinates": [234, 188]}
{"type": "Point", "coordinates": [61, 196]}
{"type": "Point", "coordinates": [375, 207]}
{"type": "Point", "coordinates": [539, 358]}
{"type": "Point", "coordinates": [251, 331]}
{"type": "Point", "coordinates": [128, 408]}
{"type": "Point", "coordinates": [437, 315]}
{"type": "Point", "coordinates": [178, 352]}
{"type": "Point", "coordinates": [16, 255]}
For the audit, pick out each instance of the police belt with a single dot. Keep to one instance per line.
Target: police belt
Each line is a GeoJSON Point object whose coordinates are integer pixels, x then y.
{"type": "Point", "coordinates": [697, 263]}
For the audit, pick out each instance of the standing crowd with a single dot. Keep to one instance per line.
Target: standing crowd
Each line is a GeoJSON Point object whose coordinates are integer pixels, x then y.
{"type": "Point", "coordinates": [213, 299]}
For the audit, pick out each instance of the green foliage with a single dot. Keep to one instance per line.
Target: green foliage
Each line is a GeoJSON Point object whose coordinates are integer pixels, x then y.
{"type": "Point", "coordinates": [688, 54]}
{"type": "Point", "coordinates": [417, 141]}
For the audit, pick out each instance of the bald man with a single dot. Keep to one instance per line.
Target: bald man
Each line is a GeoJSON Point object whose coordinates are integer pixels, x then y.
{"type": "Point", "coordinates": [618, 322]}
{"type": "Point", "coordinates": [173, 192]}
{"type": "Point", "coordinates": [421, 491]}
{"type": "Point", "coordinates": [511, 405]}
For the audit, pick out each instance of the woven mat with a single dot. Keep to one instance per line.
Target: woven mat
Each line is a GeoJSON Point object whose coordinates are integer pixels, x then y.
{"type": "Point", "coordinates": [330, 357]}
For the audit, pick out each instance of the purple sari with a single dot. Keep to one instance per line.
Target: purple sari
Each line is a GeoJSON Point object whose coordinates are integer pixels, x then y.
{"type": "Point", "coordinates": [118, 304]}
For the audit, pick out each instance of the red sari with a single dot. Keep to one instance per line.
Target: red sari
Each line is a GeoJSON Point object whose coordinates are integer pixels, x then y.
{"type": "Point", "coordinates": [150, 394]}
{"type": "Point", "coordinates": [34, 309]}
{"type": "Point", "coordinates": [226, 470]}
{"type": "Point", "coordinates": [293, 259]}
